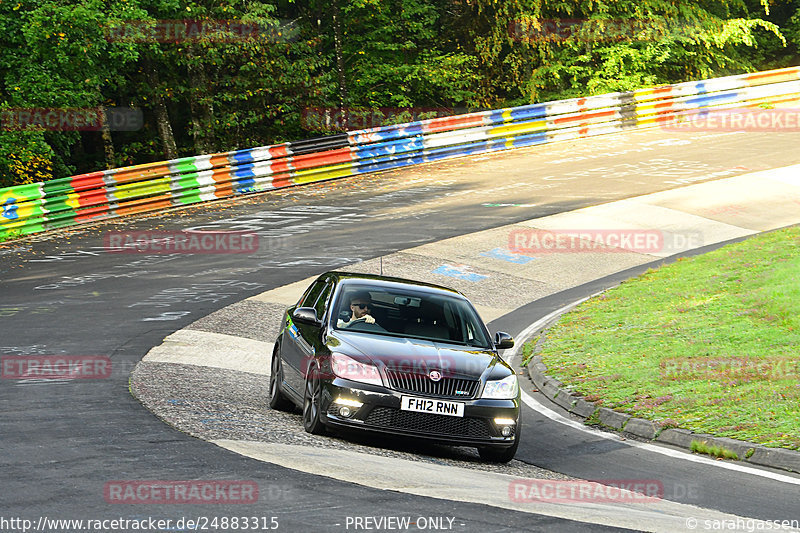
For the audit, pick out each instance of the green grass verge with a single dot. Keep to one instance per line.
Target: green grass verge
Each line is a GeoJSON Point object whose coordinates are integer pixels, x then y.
{"type": "Point", "coordinates": [715, 451]}
{"type": "Point", "coordinates": [710, 344]}
{"type": "Point", "coordinates": [528, 350]}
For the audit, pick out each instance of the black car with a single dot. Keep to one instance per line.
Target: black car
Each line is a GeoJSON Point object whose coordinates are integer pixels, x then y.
{"type": "Point", "coordinates": [399, 357]}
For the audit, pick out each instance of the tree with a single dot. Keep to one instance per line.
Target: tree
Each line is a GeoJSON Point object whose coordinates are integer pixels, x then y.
{"type": "Point", "coordinates": [555, 50]}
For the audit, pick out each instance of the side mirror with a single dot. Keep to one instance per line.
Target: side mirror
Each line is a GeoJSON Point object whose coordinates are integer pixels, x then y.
{"type": "Point", "coordinates": [503, 340]}
{"type": "Point", "coordinates": [306, 315]}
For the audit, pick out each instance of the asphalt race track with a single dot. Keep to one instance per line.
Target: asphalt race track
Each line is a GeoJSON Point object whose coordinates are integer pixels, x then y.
{"type": "Point", "coordinates": [64, 441]}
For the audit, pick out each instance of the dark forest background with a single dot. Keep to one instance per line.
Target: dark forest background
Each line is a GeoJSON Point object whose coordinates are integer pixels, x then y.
{"type": "Point", "coordinates": [403, 59]}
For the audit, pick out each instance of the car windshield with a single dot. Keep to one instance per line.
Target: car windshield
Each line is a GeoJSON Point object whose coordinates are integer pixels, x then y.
{"type": "Point", "coordinates": [408, 313]}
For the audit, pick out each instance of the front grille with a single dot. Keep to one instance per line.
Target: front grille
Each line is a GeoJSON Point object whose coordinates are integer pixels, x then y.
{"type": "Point", "coordinates": [422, 384]}
{"type": "Point", "coordinates": [389, 418]}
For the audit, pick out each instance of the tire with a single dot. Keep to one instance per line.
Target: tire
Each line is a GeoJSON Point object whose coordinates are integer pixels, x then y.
{"type": "Point", "coordinates": [501, 455]}
{"type": "Point", "coordinates": [277, 398]}
{"type": "Point", "coordinates": [312, 399]}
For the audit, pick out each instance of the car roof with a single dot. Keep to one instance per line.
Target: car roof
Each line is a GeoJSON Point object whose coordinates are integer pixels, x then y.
{"type": "Point", "coordinates": [389, 282]}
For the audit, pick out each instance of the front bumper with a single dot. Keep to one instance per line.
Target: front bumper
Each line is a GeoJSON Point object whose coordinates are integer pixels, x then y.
{"type": "Point", "coordinates": [380, 412]}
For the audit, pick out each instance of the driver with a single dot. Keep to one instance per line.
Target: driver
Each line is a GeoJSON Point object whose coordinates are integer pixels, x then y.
{"type": "Point", "coordinates": [360, 306]}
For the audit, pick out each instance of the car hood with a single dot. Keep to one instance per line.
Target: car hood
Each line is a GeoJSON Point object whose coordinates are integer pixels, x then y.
{"type": "Point", "coordinates": [417, 356]}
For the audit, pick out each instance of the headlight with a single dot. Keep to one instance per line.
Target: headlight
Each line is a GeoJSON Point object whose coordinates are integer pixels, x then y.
{"type": "Point", "coordinates": [502, 389]}
{"type": "Point", "coordinates": [348, 368]}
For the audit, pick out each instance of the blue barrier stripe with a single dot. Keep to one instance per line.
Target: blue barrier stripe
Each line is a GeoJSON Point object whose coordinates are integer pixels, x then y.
{"type": "Point", "coordinates": [713, 98]}
{"type": "Point", "coordinates": [377, 149]}
{"type": "Point", "coordinates": [435, 154]}
{"type": "Point", "coordinates": [374, 167]}
{"type": "Point", "coordinates": [389, 148]}
{"type": "Point", "coordinates": [241, 156]}
{"type": "Point", "coordinates": [243, 186]}
{"type": "Point", "coordinates": [529, 112]}
{"type": "Point", "coordinates": [242, 171]}
{"type": "Point", "coordinates": [530, 139]}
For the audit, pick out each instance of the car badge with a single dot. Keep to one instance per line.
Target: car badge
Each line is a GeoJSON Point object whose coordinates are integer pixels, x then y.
{"type": "Point", "coordinates": [435, 375]}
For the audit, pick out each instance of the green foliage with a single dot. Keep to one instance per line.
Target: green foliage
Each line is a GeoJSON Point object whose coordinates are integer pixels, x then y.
{"type": "Point", "coordinates": [560, 50]}
{"type": "Point", "coordinates": [714, 451]}
{"type": "Point", "coordinates": [218, 93]}
{"type": "Point", "coordinates": [394, 56]}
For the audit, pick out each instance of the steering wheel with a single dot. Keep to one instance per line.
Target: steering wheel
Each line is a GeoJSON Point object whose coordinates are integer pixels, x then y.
{"type": "Point", "coordinates": [362, 320]}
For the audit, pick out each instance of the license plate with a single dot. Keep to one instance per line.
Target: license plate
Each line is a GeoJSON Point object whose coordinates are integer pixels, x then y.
{"type": "Point", "coordinates": [426, 405]}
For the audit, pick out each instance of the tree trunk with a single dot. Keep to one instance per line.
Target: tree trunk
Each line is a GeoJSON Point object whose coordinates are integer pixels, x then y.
{"type": "Point", "coordinates": [108, 143]}
{"type": "Point", "coordinates": [160, 111]}
{"type": "Point", "coordinates": [200, 106]}
{"type": "Point", "coordinates": [337, 40]}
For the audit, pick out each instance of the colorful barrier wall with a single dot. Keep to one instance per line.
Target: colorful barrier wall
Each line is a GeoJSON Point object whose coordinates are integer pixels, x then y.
{"type": "Point", "coordinates": [89, 197]}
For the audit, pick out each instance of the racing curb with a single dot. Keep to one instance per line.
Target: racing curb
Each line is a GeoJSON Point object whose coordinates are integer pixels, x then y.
{"type": "Point", "coordinates": [562, 396]}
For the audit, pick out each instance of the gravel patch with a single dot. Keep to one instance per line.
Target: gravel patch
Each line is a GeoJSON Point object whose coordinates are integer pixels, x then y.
{"type": "Point", "coordinates": [212, 404]}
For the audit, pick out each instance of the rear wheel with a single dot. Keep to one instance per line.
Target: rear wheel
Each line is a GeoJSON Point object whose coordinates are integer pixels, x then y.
{"type": "Point", "coordinates": [277, 399]}
{"type": "Point", "coordinates": [312, 400]}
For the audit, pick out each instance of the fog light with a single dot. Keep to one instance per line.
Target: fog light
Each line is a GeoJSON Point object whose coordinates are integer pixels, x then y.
{"type": "Point", "coordinates": [348, 402]}
{"type": "Point", "coordinates": [505, 425]}
{"type": "Point", "coordinates": [347, 407]}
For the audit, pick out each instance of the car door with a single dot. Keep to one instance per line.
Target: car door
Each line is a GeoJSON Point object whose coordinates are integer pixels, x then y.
{"type": "Point", "coordinates": [300, 341]}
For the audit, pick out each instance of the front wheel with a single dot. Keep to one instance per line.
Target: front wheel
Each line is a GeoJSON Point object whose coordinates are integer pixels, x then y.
{"type": "Point", "coordinates": [277, 399]}
{"type": "Point", "coordinates": [312, 400]}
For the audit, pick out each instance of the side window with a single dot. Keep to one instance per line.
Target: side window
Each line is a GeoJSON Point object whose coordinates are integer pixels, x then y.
{"type": "Point", "coordinates": [310, 297]}
{"type": "Point", "coordinates": [322, 300]}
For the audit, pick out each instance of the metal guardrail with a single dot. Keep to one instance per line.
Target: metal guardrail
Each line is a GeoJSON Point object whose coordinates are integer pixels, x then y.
{"type": "Point", "coordinates": [58, 203]}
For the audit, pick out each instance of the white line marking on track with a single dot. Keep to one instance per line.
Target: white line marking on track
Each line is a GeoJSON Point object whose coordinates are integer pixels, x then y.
{"type": "Point", "coordinates": [676, 454]}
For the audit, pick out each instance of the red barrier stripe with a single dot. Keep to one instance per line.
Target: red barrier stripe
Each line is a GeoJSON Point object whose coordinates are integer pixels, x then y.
{"type": "Point", "coordinates": [90, 213]}
{"type": "Point", "coordinates": [91, 191]}
{"type": "Point", "coordinates": [585, 116]}
{"type": "Point", "coordinates": [279, 150]}
{"type": "Point", "coordinates": [664, 105]}
{"type": "Point", "coordinates": [282, 180]}
{"type": "Point", "coordinates": [452, 123]}
{"type": "Point", "coordinates": [331, 157]}
{"type": "Point", "coordinates": [282, 165]}
{"type": "Point", "coordinates": [91, 198]}
{"type": "Point", "coordinates": [662, 90]}
{"type": "Point", "coordinates": [791, 75]}
{"type": "Point", "coordinates": [82, 182]}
